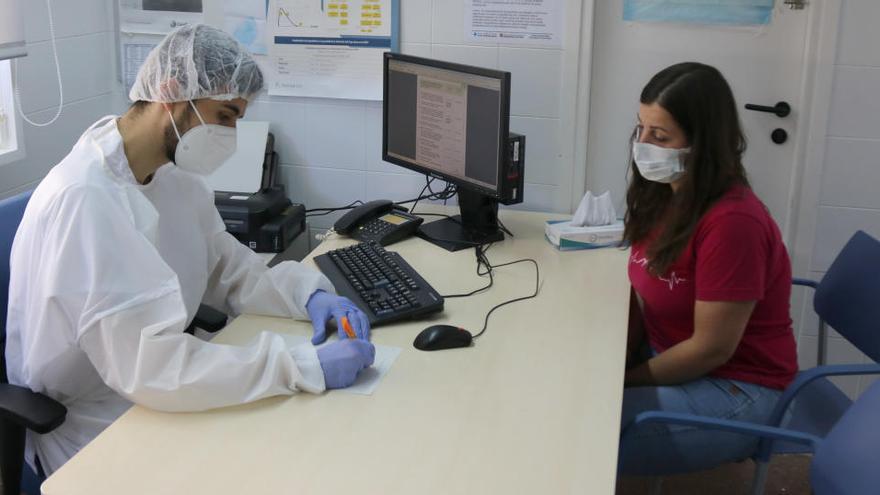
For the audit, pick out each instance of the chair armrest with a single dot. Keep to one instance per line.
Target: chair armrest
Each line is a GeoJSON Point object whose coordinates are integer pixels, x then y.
{"type": "Point", "coordinates": [30, 409]}
{"type": "Point", "coordinates": [209, 319]}
{"type": "Point", "coordinates": [753, 429]}
{"type": "Point", "coordinates": [805, 378]}
{"type": "Point", "coordinates": [805, 282]}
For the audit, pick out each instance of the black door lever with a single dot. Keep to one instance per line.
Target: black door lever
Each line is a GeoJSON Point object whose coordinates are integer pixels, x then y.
{"type": "Point", "coordinates": [781, 109]}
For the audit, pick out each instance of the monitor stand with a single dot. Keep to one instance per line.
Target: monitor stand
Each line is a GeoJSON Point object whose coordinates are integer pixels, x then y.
{"type": "Point", "coordinates": [477, 224]}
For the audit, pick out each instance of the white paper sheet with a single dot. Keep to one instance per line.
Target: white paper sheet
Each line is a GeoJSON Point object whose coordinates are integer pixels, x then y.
{"type": "Point", "coordinates": [158, 16]}
{"type": "Point", "coordinates": [320, 48]}
{"type": "Point", "coordinates": [133, 52]}
{"type": "Point", "coordinates": [515, 22]}
{"type": "Point", "coordinates": [246, 8]}
{"type": "Point", "coordinates": [243, 171]}
{"type": "Point", "coordinates": [246, 21]}
{"type": "Point", "coordinates": [369, 379]}
{"type": "Point", "coordinates": [249, 31]}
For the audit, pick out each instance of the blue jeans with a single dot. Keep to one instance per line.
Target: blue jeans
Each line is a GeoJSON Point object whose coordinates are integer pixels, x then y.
{"type": "Point", "coordinates": [659, 449]}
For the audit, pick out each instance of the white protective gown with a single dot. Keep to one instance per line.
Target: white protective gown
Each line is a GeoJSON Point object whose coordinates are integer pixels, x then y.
{"type": "Point", "coordinates": [107, 273]}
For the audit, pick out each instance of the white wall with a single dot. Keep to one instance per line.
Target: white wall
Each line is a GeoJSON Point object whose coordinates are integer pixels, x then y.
{"type": "Point", "coordinates": [848, 179]}
{"type": "Point", "coordinates": [85, 39]}
{"type": "Point", "coordinates": [330, 150]}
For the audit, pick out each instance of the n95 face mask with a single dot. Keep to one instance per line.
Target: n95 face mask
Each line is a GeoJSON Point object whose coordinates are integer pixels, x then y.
{"type": "Point", "coordinates": [202, 149]}
{"type": "Point", "coordinates": [659, 164]}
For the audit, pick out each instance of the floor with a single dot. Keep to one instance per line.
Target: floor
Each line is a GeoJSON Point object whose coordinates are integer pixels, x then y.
{"type": "Point", "coordinates": [789, 475]}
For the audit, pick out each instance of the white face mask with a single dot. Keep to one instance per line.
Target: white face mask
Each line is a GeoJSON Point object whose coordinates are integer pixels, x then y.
{"type": "Point", "coordinates": [659, 164]}
{"type": "Point", "coordinates": [202, 149]}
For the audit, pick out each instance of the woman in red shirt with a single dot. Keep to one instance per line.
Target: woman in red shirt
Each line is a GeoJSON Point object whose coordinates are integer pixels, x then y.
{"type": "Point", "coordinates": [711, 279]}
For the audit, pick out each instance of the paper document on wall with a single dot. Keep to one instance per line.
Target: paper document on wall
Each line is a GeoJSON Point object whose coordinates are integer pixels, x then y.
{"type": "Point", "coordinates": [243, 171]}
{"type": "Point", "coordinates": [157, 16]}
{"type": "Point", "coordinates": [515, 22]}
{"type": "Point", "coordinates": [246, 21]}
{"type": "Point", "coordinates": [710, 12]}
{"type": "Point", "coordinates": [369, 379]}
{"type": "Point", "coordinates": [133, 52]}
{"type": "Point", "coordinates": [329, 48]}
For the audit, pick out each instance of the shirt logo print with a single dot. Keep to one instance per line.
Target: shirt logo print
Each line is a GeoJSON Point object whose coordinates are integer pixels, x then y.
{"type": "Point", "coordinates": [671, 281]}
{"type": "Point", "coordinates": [634, 259]}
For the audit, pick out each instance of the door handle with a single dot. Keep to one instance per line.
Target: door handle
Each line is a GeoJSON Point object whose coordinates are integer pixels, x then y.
{"type": "Point", "coordinates": [781, 109]}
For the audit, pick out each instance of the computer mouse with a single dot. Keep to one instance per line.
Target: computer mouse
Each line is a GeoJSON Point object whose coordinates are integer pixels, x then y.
{"type": "Point", "coordinates": [437, 337]}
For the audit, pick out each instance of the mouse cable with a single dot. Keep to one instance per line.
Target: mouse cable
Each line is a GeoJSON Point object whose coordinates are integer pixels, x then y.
{"type": "Point", "coordinates": [491, 267]}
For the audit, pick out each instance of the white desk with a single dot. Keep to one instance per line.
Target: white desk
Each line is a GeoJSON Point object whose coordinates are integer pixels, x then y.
{"type": "Point", "coordinates": [532, 407]}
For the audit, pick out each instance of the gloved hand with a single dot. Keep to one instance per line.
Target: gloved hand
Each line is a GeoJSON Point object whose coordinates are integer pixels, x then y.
{"type": "Point", "coordinates": [342, 360]}
{"type": "Point", "coordinates": [323, 306]}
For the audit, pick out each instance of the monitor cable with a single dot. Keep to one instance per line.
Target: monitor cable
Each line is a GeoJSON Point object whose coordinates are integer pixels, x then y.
{"type": "Point", "coordinates": [485, 267]}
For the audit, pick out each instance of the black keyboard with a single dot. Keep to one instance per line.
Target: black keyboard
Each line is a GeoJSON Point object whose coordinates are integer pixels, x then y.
{"type": "Point", "coordinates": [379, 282]}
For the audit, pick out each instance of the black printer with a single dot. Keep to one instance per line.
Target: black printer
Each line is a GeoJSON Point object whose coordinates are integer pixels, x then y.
{"type": "Point", "coordinates": [265, 221]}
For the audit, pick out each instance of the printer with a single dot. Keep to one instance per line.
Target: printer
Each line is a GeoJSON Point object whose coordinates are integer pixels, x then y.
{"type": "Point", "coordinates": [266, 220]}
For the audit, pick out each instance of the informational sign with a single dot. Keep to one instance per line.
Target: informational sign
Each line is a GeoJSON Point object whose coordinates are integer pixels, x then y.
{"type": "Point", "coordinates": [515, 22]}
{"type": "Point", "coordinates": [246, 21]}
{"type": "Point", "coordinates": [707, 12]}
{"type": "Point", "coordinates": [157, 16]}
{"type": "Point", "coordinates": [330, 48]}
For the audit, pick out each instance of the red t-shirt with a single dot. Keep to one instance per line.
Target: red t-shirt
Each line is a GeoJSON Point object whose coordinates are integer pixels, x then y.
{"type": "Point", "coordinates": [735, 254]}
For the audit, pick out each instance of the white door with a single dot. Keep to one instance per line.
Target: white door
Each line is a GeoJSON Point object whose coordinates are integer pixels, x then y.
{"type": "Point", "coordinates": [764, 65]}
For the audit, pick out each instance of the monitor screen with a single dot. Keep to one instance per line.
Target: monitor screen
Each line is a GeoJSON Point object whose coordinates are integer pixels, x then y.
{"type": "Point", "coordinates": [446, 120]}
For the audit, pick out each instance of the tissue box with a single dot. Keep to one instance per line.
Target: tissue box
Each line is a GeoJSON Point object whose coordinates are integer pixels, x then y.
{"type": "Point", "coordinates": [561, 234]}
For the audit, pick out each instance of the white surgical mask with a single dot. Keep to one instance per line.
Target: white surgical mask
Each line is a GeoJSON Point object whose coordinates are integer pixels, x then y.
{"type": "Point", "coordinates": [202, 149]}
{"type": "Point", "coordinates": [659, 164]}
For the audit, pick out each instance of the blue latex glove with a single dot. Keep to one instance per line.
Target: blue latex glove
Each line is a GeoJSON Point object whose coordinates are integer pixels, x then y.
{"type": "Point", "coordinates": [323, 306]}
{"type": "Point", "coordinates": [342, 360]}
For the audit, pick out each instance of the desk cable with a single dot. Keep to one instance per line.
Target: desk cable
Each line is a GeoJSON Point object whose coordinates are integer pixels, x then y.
{"type": "Point", "coordinates": [483, 262]}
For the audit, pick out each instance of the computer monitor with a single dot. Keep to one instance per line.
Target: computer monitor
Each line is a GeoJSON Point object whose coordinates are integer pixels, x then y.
{"type": "Point", "coordinates": [451, 121]}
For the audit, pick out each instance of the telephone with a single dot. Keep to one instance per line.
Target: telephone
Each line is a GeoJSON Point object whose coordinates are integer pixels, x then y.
{"type": "Point", "coordinates": [380, 220]}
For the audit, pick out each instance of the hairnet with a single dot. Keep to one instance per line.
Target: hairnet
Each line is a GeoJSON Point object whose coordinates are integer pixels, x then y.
{"type": "Point", "coordinates": [197, 61]}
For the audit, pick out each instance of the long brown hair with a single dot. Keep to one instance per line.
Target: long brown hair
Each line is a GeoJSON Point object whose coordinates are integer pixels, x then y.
{"type": "Point", "coordinates": [702, 104]}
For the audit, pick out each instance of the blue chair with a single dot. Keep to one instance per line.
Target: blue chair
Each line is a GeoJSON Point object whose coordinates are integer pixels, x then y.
{"type": "Point", "coordinates": [844, 462]}
{"type": "Point", "coordinates": [848, 299]}
{"type": "Point", "coordinates": [20, 408]}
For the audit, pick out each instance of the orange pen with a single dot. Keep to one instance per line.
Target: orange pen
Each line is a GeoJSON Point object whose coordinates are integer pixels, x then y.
{"type": "Point", "coordinates": [347, 327]}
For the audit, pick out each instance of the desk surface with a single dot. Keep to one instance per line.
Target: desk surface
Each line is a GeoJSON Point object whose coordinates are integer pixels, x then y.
{"type": "Point", "coordinates": [532, 407]}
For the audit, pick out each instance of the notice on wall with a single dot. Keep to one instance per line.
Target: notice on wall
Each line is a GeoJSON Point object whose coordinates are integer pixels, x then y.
{"type": "Point", "coordinates": [246, 21]}
{"type": "Point", "coordinates": [329, 48]}
{"type": "Point", "coordinates": [157, 16]}
{"type": "Point", "coordinates": [515, 22]}
{"type": "Point", "coordinates": [134, 49]}
{"type": "Point", "coordinates": [706, 12]}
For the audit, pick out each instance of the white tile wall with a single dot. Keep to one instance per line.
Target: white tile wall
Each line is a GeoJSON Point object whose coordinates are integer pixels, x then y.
{"type": "Point", "coordinates": [855, 107]}
{"type": "Point", "coordinates": [84, 31]}
{"type": "Point", "coordinates": [835, 225]}
{"type": "Point", "coordinates": [530, 92]}
{"type": "Point", "coordinates": [481, 56]}
{"type": "Point", "coordinates": [857, 40]}
{"type": "Point", "coordinates": [851, 172]}
{"type": "Point", "coordinates": [416, 21]}
{"type": "Point", "coordinates": [847, 159]}
{"type": "Point", "coordinates": [83, 61]}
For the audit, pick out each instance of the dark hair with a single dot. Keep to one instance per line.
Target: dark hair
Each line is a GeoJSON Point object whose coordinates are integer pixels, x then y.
{"type": "Point", "coordinates": [702, 104]}
{"type": "Point", "coordinates": [139, 106]}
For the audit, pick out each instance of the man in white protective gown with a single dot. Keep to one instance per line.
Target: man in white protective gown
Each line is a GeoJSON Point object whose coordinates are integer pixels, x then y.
{"type": "Point", "coordinates": [121, 242]}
